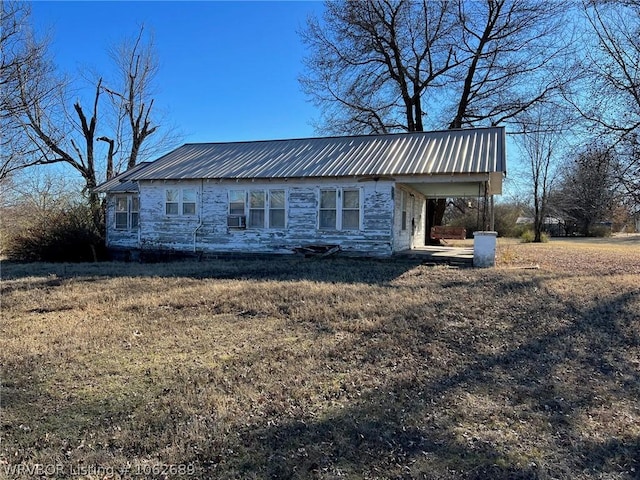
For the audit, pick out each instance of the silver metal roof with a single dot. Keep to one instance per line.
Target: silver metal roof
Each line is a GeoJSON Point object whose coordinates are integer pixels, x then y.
{"type": "Point", "coordinates": [465, 151]}
{"type": "Point", "coordinates": [121, 183]}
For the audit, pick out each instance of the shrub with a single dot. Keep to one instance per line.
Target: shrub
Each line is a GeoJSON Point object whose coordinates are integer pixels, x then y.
{"type": "Point", "coordinates": [600, 231]}
{"type": "Point", "coordinates": [67, 235]}
{"type": "Point", "coordinates": [527, 236]}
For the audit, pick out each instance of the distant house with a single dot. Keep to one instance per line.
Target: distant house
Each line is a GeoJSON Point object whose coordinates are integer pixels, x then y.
{"type": "Point", "coordinates": [365, 194]}
{"type": "Point", "coordinates": [554, 226]}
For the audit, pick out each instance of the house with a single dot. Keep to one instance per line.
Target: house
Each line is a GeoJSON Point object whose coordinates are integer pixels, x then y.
{"type": "Point", "coordinates": [554, 226]}
{"type": "Point", "coordinates": [366, 194]}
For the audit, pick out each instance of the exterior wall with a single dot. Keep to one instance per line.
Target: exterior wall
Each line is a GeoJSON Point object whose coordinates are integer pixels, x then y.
{"type": "Point", "coordinates": [413, 235]}
{"type": "Point", "coordinates": [118, 238]}
{"type": "Point", "coordinates": [207, 230]}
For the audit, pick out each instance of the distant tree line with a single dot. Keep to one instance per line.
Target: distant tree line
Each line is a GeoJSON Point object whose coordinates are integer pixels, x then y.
{"type": "Point", "coordinates": [562, 76]}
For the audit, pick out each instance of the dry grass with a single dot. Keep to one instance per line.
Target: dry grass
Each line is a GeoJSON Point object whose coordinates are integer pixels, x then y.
{"type": "Point", "coordinates": [326, 369]}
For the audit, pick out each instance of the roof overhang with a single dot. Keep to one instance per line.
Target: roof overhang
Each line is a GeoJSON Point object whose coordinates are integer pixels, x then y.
{"type": "Point", "coordinates": [456, 186]}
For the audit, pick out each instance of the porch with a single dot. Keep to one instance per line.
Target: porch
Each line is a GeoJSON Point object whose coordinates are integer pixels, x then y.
{"type": "Point", "coordinates": [440, 255]}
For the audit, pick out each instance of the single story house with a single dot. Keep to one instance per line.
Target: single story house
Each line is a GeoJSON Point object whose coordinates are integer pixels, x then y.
{"type": "Point", "coordinates": [366, 194]}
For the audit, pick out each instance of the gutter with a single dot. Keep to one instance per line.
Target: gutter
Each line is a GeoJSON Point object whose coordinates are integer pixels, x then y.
{"type": "Point", "coordinates": [200, 215]}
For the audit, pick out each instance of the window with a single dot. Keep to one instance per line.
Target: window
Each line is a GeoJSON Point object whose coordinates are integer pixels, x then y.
{"type": "Point", "coordinates": [276, 209]}
{"type": "Point", "coordinates": [127, 212]}
{"type": "Point", "coordinates": [351, 209]}
{"type": "Point", "coordinates": [180, 201]}
{"type": "Point", "coordinates": [236, 202]}
{"type": "Point", "coordinates": [256, 209]}
{"type": "Point", "coordinates": [265, 208]}
{"type": "Point", "coordinates": [404, 209]}
{"type": "Point", "coordinates": [188, 202]}
{"type": "Point", "coordinates": [122, 212]}
{"type": "Point", "coordinates": [328, 210]}
{"type": "Point", "coordinates": [135, 212]}
{"type": "Point", "coordinates": [172, 200]}
{"type": "Point", "coordinates": [339, 209]}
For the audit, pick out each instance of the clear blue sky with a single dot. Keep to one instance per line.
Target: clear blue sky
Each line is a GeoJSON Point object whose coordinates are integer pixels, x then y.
{"type": "Point", "coordinates": [228, 70]}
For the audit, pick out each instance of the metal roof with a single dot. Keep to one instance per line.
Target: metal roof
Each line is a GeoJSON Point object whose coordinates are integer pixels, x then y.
{"type": "Point", "coordinates": [465, 151]}
{"type": "Point", "coordinates": [121, 183]}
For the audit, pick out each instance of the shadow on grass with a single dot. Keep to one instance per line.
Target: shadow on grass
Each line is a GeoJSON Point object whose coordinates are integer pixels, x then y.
{"type": "Point", "coordinates": [408, 427]}
{"type": "Point", "coordinates": [377, 434]}
{"type": "Point", "coordinates": [329, 270]}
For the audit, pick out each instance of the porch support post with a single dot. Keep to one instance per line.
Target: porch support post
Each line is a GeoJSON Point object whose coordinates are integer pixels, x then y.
{"type": "Point", "coordinates": [492, 227]}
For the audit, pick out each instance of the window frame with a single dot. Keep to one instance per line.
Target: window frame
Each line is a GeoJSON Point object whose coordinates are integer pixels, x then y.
{"type": "Point", "coordinates": [403, 210]}
{"type": "Point", "coordinates": [340, 209]}
{"type": "Point", "coordinates": [257, 209]}
{"type": "Point", "coordinates": [129, 212]}
{"type": "Point", "coordinates": [269, 209]}
{"type": "Point", "coordinates": [248, 207]}
{"type": "Point", "coordinates": [179, 204]}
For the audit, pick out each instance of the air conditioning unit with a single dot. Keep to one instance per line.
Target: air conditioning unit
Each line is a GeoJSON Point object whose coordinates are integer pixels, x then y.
{"type": "Point", "coordinates": [236, 221]}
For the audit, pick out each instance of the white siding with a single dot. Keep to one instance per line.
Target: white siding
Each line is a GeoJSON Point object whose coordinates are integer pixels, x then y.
{"type": "Point", "coordinates": [116, 238]}
{"type": "Point", "coordinates": [413, 235]}
{"type": "Point", "coordinates": [207, 231]}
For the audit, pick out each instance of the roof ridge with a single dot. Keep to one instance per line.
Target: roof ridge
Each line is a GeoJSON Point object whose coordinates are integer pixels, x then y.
{"type": "Point", "coordinates": [334, 137]}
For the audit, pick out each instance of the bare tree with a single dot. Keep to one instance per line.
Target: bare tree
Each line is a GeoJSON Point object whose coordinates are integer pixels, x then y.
{"type": "Point", "coordinates": [131, 98]}
{"type": "Point", "coordinates": [59, 135]}
{"type": "Point", "coordinates": [588, 191]}
{"type": "Point", "coordinates": [544, 129]}
{"type": "Point", "coordinates": [372, 62]}
{"type": "Point", "coordinates": [19, 52]}
{"type": "Point", "coordinates": [380, 66]}
{"type": "Point", "coordinates": [612, 106]}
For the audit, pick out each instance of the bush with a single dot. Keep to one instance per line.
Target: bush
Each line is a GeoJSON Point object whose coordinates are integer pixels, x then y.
{"type": "Point", "coordinates": [529, 236]}
{"type": "Point", "coordinates": [67, 235]}
{"type": "Point", "coordinates": [600, 231]}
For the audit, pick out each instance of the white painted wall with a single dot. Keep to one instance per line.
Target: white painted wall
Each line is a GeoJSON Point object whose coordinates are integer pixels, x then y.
{"type": "Point", "coordinates": [118, 238]}
{"type": "Point", "coordinates": [413, 235]}
{"type": "Point", "coordinates": [207, 231]}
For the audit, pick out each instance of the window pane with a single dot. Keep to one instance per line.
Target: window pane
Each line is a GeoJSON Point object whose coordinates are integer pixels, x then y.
{"type": "Point", "coordinates": [256, 218]}
{"type": "Point", "coordinates": [236, 196]}
{"type": "Point", "coordinates": [327, 219]}
{"type": "Point", "coordinates": [276, 198]}
{"type": "Point", "coordinates": [189, 195]}
{"type": "Point", "coordinates": [188, 208]}
{"type": "Point", "coordinates": [172, 196]}
{"type": "Point", "coordinates": [276, 218]}
{"type": "Point", "coordinates": [172, 209]}
{"type": "Point", "coordinates": [121, 204]}
{"type": "Point", "coordinates": [351, 219]}
{"type": "Point", "coordinates": [135, 204]}
{"type": "Point", "coordinates": [134, 220]}
{"type": "Point", "coordinates": [121, 220]}
{"type": "Point", "coordinates": [328, 199]}
{"type": "Point", "coordinates": [256, 199]}
{"type": "Point", "coordinates": [236, 202]}
{"type": "Point", "coordinates": [351, 199]}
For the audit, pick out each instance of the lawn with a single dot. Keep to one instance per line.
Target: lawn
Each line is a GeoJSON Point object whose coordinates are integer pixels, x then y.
{"type": "Point", "coordinates": [326, 368]}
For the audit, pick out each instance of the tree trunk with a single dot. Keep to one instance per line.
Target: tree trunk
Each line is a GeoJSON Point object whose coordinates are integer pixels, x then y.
{"type": "Point", "coordinates": [435, 214]}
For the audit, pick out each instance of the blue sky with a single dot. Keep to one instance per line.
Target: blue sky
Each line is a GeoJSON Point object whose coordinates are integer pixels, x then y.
{"type": "Point", "coordinates": [228, 70]}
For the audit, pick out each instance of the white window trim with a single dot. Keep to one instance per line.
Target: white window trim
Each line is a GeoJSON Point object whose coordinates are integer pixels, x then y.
{"type": "Point", "coordinates": [266, 209]}
{"type": "Point", "coordinates": [181, 202]}
{"type": "Point", "coordinates": [129, 212]}
{"type": "Point", "coordinates": [404, 209]}
{"type": "Point", "coordinates": [339, 208]}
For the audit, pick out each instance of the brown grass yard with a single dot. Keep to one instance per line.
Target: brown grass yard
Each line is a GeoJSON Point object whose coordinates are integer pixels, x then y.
{"type": "Point", "coordinates": [334, 368]}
